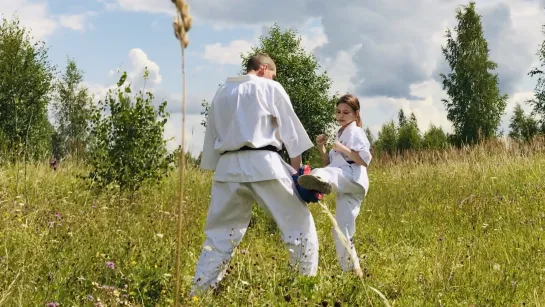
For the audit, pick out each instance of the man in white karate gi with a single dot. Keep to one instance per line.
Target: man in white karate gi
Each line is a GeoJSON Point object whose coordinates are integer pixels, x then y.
{"type": "Point", "coordinates": [249, 119]}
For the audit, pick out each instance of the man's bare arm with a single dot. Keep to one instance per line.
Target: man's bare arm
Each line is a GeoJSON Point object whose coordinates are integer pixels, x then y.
{"type": "Point", "coordinates": [296, 162]}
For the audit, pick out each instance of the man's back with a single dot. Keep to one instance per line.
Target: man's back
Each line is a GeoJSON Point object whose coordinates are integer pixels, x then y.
{"type": "Point", "coordinates": [255, 112]}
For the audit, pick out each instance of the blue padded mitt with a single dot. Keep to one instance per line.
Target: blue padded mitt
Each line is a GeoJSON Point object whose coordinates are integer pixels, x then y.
{"type": "Point", "coordinates": [309, 196]}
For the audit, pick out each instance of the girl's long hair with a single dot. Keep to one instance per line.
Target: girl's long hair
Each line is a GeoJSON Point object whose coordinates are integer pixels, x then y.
{"type": "Point", "coordinates": [354, 103]}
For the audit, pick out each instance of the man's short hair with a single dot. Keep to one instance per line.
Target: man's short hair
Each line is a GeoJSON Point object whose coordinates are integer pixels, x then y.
{"type": "Point", "coordinates": [256, 60]}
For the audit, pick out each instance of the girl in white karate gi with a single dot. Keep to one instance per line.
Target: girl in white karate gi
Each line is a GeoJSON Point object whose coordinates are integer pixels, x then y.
{"type": "Point", "coordinates": [344, 173]}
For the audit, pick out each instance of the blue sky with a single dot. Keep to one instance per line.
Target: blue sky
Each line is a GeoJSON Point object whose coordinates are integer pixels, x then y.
{"type": "Point", "coordinates": [109, 35]}
{"type": "Point", "coordinates": [387, 54]}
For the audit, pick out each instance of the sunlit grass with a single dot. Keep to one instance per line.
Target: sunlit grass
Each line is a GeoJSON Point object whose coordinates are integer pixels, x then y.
{"type": "Point", "coordinates": [455, 228]}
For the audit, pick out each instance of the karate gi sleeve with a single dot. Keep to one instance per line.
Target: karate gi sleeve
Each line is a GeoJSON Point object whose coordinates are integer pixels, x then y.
{"type": "Point", "coordinates": [357, 141]}
{"type": "Point", "coordinates": [291, 131]}
{"type": "Point", "coordinates": [210, 156]}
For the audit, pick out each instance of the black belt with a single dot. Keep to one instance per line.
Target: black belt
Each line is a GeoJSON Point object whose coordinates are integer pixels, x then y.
{"type": "Point", "coordinates": [350, 162]}
{"type": "Point", "coordinates": [245, 148]}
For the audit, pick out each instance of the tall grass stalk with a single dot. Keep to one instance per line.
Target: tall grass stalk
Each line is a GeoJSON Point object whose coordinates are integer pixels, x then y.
{"type": "Point", "coordinates": [182, 25]}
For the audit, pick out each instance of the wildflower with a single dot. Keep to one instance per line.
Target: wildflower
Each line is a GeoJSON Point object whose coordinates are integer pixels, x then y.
{"type": "Point", "coordinates": [52, 304]}
{"type": "Point", "coordinates": [195, 299]}
{"type": "Point", "coordinates": [160, 235]}
{"type": "Point", "coordinates": [244, 252]}
{"type": "Point", "coordinates": [110, 264]}
{"type": "Point", "coordinates": [58, 215]}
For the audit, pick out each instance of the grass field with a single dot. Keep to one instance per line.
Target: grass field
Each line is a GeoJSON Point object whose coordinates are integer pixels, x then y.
{"type": "Point", "coordinates": [458, 228]}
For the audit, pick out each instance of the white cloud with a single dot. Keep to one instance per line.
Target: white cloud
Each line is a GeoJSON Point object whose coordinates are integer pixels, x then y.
{"type": "Point", "coordinates": [520, 98]}
{"type": "Point", "coordinates": [35, 15]}
{"type": "Point", "coordinates": [399, 42]}
{"type": "Point", "coordinates": [517, 98]}
{"type": "Point", "coordinates": [77, 22]}
{"type": "Point", "coordinates": [99, 91]}
{"type": "Point", "coordinates": [426, 105]}
{"type": "Point", "coordinates": [194, 133]}
{"type": "Point", "coordinates": [389, 54]}
{"type": "Point", "coordinates": [139, 61]}
{"type": "Point", "coordinates": [148, 6]}
{"type": "Point", "coordinates": [227, 54]}
{"type": "Point", "coordinates": [247, 13]}
{"type": "Point", "coordinates": [312, 36]}
{"type": "Point", "coordinates": [109, 4]}
{"type": "Point", "coordinates": [342, 71]}
{"type": "Point", "coordinates": [32, 14]}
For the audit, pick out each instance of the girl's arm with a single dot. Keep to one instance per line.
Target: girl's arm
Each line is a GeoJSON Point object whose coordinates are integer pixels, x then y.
{"type": "Point", "coordinates": [352, 154]}
{"type": "Point", "coordinates": [325, 158]}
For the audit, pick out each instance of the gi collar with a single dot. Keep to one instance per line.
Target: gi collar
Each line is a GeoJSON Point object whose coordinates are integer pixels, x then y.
{"type": "Point", "coordinates": [242, 78]}
{"type": "Point", "coordinates": [348, 127]}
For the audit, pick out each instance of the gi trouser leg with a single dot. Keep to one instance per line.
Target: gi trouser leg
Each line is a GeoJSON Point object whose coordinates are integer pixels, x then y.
{"type": "Point", "coordinates": [346, 212]}
{"type": "Point", "coordinates": [228, 218]}
{"type": "Point", "coordinates": [349, 197]}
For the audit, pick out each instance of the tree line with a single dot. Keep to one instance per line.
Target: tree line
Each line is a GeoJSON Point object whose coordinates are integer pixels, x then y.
{"type": "Point", "coordinates": [120, 139]}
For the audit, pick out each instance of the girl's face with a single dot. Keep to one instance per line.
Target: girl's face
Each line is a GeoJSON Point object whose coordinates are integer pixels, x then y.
{"type": "Point", "coordinates": [345, 115]}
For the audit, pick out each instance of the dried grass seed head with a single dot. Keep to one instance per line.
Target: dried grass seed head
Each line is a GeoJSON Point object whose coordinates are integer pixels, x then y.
{"type": "Point", "coordinates": [181, 27]}
{"type": "Point", "coordinates": [180, 33]}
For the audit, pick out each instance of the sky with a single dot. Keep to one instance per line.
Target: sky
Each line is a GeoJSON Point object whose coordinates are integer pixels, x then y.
{"type": "Point", "coordinates": [388, 53]}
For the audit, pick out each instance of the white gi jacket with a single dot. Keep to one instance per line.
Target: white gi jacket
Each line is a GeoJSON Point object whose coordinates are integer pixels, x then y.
{"type": "Point", "coordinates": [354, 138]}
{"type": "Point", "coordinates": [251, 111]}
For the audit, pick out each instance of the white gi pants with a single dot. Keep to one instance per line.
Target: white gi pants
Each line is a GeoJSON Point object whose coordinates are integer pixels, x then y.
{"type": "Point", "coordinates": [228, 218]}
{"type": "Point", "coordinates": [349, 196]}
